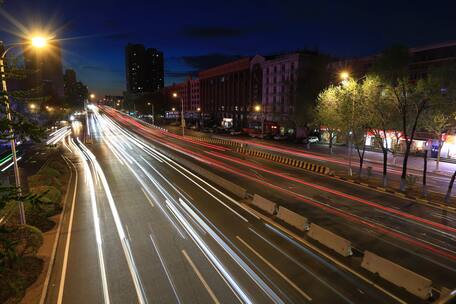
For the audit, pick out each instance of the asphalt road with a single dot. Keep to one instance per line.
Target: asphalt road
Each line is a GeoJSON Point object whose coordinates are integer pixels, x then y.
{"type": "Point", "coordinates": [145, 229]}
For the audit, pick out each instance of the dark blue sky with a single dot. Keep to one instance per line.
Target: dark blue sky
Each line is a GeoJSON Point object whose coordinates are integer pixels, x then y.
{"type": "Point", "coordinates": [197, 34]}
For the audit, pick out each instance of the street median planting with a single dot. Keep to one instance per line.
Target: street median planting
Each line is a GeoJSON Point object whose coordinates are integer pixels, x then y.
{"type": "Point", "coordinates": [19, 266]}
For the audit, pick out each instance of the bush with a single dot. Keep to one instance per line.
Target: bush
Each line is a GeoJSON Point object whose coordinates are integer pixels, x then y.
{"type": "Point", "coordinates": [59, 165]}
{"type": "Point", "coordinates": [51, 194]}
{"type": "Point", "coordinates": [48, 171]}
{"type": "Point", "coordinates": [38, 180]}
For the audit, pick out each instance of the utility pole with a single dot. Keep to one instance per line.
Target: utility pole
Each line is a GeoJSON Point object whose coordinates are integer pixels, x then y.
{"type": "Point", "coordinates": [182, 116]}
{"type": "Point", "coordinates": [450, 187]}
{"type": "Point", "coordinates": [424, 173]}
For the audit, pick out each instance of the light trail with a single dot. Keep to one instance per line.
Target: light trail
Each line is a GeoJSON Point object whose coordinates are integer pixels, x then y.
{"type": "Point", "coordinates": [335, 192]}
{"type": "Point", "coordinates": [12, 163]}
{"type": "Point", "coordinates": [124, 241]}
{"type": "Point", "coordinates": [96, 223]}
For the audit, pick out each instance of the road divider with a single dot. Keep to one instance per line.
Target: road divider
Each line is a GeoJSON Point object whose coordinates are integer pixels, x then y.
{"type": "Point", "coordinates": [292, 218]}
{"type": "Point", "coordinates": [264, 204]}
{"type": "Point", "coordinates": [398, 275]}
{"type": "Point", "coordinates": [220, 141]}
{"type": "Point", "coordinates": [286, 160]}
{"type": "Point", "coordinates": [330, 239]}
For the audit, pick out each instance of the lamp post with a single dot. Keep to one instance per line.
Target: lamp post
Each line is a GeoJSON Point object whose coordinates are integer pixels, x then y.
{"type": "Point", "coordinates": [37, 42]}
{"type": "Point", "coordinates": [175, 95]}
{"type": "Point", "coordinates": [344, 75]}
{"type": "Point", "coordinates": [258, 109]}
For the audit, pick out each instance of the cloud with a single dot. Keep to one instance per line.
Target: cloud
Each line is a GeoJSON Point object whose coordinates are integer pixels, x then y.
{"type": "Point", "coordinates": [202, 62]}
{"type": "Point", "coordinates": [213, 32]}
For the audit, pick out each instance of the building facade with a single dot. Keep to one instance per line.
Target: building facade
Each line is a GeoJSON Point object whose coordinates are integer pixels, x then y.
{"type": "Point", "coordinates": [280, 80]}
{"type": "Point", "coordinates": [225, 93]}
{"type": "Point", "coordinates": [144, 69]}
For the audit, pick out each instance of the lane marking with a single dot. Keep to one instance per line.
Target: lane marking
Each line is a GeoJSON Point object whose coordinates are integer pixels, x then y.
{"type": "Point", "coordinates": [147, 197]}
{"type": "Point", "coordinates": [168, 275]}
{"type": "Point", "coordinates": [296, 239]}
{"type": "Point", "coordinates": [44, 290]}
{"type": "Point", "coordinates": [305, 295]}
{"type": "Point", "coordinates": [67, 246]}
{"type": "Point", "coordinates": [200, 276]}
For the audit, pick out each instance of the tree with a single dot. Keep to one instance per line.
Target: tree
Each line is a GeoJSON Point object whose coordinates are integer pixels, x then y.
{"type": "Point", "coordinates": [410, 99]}
{"type": "Point", "coordinates": [381, 114]}
{"type": "Point", "coordinates": [327, 112]}
{"type": "Point", "coordinates": [442, 116]}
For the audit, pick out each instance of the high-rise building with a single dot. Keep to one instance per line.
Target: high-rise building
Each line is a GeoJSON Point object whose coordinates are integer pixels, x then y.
{"type": "Point", "coordinates": [69, 77]}
{"type": "Point", "coordinates": [144, 69]}
{"type": "Point", "coordinates": [46, 69]}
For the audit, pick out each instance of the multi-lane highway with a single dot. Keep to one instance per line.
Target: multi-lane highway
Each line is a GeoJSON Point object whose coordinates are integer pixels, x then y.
{"type": "Point", "coordinates": [141, 227]}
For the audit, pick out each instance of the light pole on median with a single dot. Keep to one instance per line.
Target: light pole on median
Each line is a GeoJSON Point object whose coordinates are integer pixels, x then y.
{"type": "Point", "coordinates": [37, 42]}
{"type": "Point", "coordinates": [258, 109]}
{"type": "Point", "coordinates": [175, 95]}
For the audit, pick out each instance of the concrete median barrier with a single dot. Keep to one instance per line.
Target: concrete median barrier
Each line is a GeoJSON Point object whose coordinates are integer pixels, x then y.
{"type": "Point", "coordinates": [264, 204]}
{"type": "Point", "coordinates": [398, 275]}
{"type": "Point", "coordinates": [292, 218]}
{"type": "Point", "coordinates": [330, 239]}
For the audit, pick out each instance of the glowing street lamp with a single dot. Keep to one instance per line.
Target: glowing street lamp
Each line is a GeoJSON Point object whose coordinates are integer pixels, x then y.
{"type": "Point", "coordinates": [258, 108]}
{"type": "Point", "coordinates": [344, 75]}
{"type": "Point", "coordinates": [175, 95]}
{"type": "Point", "coordinates": [32, 106]}
{"type": "Point", "coordinates": [92, 96]}
{"type": "Point", "coordinates": [39, 41]}
{"type": "Point", "coordinates": [36, 42]}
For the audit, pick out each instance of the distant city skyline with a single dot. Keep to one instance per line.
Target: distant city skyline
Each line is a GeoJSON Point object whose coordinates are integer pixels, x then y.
{"type": "Point", "coordinates": [196, 35]}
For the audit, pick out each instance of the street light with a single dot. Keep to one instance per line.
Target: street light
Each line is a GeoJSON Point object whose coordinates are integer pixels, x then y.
{"type": "Point", "coordinates": [32, 106]}
{"type": "Point", "coordinates": [258, 108]}
{"type": "Point", "coordinates": [37, 42]}
{"type": "Point", "coordinates": [92, 96]}
{"type": "Point", "coordinates": [344, 75]}
{"type": "Point", "coordinates": [175, 95]}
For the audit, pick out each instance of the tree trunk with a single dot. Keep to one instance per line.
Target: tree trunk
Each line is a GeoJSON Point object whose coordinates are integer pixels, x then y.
{"type": "Point", "coordinates": [385, 164]}
{"type": "Point", "coordinates": [330, 143]}
{"type": "Point", "coordinates": [404, 165]}
{"type": "Point", "coordinates": [437, 162]}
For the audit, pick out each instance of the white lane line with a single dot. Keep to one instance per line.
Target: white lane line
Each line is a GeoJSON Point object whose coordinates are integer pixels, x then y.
{"type": "Point", "coordinates": [200, 276]}
{"type": "Point", "coordinates": [296, 239]}
{"type": "Point", "coordinates": [305, 295]}
{"type": "Point", "coordinates": [147, 197]}
{"type": "Point", "coordinates": [168, 275]}
{"type": "Point", "coordinates": [117, 221]}
{"type": "Point", "coordinates": [96, 224]}
{"type": "Point", "coordinates": [67, 245]}
{"type": "Point", "coordinates": [59, 228]}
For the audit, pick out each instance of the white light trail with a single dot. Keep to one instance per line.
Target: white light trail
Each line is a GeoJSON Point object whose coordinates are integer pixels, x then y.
{"type": "Point", "coordinates": [12, 163]}
{"type": "Point", "coordinates": [124, 241]}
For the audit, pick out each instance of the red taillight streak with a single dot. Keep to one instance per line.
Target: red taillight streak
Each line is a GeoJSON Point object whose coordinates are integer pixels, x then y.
{"type": "Point", "coordinates": [338, 193]}
{"type": "Point", "coordinates": [329, 209]}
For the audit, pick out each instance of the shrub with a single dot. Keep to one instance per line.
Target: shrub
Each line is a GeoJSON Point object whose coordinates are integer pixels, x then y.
{"type": "Point", "coordinates": [48, 171]}
{"type": "Point", "coordinates": [43, 180]}
{"type": "Point", "coordinates": [58, 165]}
{"type": "Point", "coordinates": [50, 194]}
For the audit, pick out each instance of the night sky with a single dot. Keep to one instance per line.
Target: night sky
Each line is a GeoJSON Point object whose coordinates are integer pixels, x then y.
{"type": "Point", "coordinates": [198, 34]}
